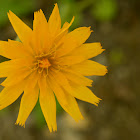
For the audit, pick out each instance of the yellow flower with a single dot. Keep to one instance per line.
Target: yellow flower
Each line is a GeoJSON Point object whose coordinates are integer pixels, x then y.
{"type": "Point", "coordinates": [49, 61]}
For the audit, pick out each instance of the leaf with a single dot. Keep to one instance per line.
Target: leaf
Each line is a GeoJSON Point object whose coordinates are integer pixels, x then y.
{"type": "Point", "coordinates": [104, 10]}
{"type": "Point", "coordinates": [17, 6]}
{"type": "Point", "coordinates": [68, 9]}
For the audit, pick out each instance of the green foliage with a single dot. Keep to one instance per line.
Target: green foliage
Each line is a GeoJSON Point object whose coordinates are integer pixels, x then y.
{"type": "Point", "coordinates": [68, 9]}
{"type": "Point", "coordinates": [101, 10]}
{"type": "Point", "coordinates": [104, 10]}
{"type": "Point", "coordinates": [19, 7]}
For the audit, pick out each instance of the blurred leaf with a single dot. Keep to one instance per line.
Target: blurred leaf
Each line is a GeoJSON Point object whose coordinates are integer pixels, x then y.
{"type": "Point", "coordinates": [104, 10]}
{"type": "Point", "coordinates": [68, 9]}
{"type": "Point", "coordinates": [17, 6]}
{"type": "Point", "coordinates": [39, 116]}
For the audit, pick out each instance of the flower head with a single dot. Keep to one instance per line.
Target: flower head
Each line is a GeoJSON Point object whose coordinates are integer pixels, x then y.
{"type": "Point", "coordinates": [49, 61]}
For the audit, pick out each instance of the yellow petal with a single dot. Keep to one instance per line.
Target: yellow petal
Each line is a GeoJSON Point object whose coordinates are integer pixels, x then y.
{"type": "Point", "coordinates": [63, 31]}
{"type": "Point", "coordinates": [48, 104]}
{"type": "Point", "coordinates": [66, 25]}
{"type": "Point", "coordinates": [56, 88]}
{"type": "Point", "coordinates": [73, 40]}
{"type": "Point", "coordinates": [41, 35]}
{"type": "Point", "coordinates": [28, 102]}
{"type": "Point", "coordinates": [5, 68]}
{"type": "Point", "coordinates": [70, 60]}
{"type": "Point", "coordinates": [9, 67]}
{"type": "Point", "coordinates": [72, 108]}
{"type": "Point", "coordinates": [54, 21]}
{"type": "Point", "coordinates": [39, 19]}
{"type": "Point", "coordinates": [26, 50]}
{"type": "Point", "coordinates": [84, 93]}
{"type": "Point", "coordinates": [12, 49]}
{"type": "Point", "coordinates": [22, 30]}
{"type": "Point", "coordinates": [77, 78]}
{"type": "Point", "coordinates": [32, 80]}
{"type": "Point", "coordinates": [88, 50]}
{"type": "Point", "coordinates": [16, 77]}
{"type": "Point", "coordinates": [81, 54]}
{"type": "Point", "coordinates": [62, 80]}
{"type": "Point", "coordinates": [67, 102]}
{"type": "Point", "coordinates": [59, 39]}
{"type": "Point", "coordinates": [80, 92]}
{"type": "Point", "coordinates": [10, 94]}
{"type": "Point", "coordinates": [89, 67]}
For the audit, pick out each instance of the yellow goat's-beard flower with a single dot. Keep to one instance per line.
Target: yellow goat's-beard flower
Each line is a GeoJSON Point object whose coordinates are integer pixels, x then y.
{"type": "Point", "coordinates": [49, 61]}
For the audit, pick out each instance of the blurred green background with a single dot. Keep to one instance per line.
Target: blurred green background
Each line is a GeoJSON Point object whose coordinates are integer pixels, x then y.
{"type": "Point", "coordinates": [116, 24]}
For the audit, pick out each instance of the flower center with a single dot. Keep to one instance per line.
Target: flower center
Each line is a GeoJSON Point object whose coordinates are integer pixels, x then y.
{"type": "Point", "coordinates": [44, 63]}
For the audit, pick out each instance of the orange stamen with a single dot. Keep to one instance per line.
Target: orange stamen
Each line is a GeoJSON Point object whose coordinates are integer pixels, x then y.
{"type": "Point", "coordinates": [44, 63]}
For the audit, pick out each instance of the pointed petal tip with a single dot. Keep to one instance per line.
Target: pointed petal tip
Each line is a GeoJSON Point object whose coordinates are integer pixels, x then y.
{"type": "Point", "coordinates": [80, 119]}
{"type": "Point", "coordinates": [20, 124]}
{"type": "Point", "coordinates": [2, 84]}
{"type": "Point", "coordinates": [41, 11]}
{"type": "Point", "coordinates": [90, 29]}
{"type": "Point", "coordinates": [101, 47]}
{"type": "Point", "coordinates": [9, 12]}
{"type": "Point", "coordinates": [56, 4]}
{"type": "Point", "coordinates": [56, 7]}
{"type": "Point", "coordinates": [73, 18]}
{"type": "Point", "coordinates": [97, 102]}
{"type": "Point", "coordinates": [55, 130]}
{"type": "Point", "coordinates": [106, 70]}
{"type": "Point", "coordinates": [52, 129]}
{"type": "Point", "coordinates": [16, 123]}
{"type": "Point", "coordinates": [99, 99]}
